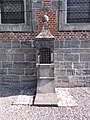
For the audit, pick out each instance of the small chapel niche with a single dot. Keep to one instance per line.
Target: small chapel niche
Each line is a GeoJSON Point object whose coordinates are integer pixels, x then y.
{"type": "Point", "coordinates": [45, 55]}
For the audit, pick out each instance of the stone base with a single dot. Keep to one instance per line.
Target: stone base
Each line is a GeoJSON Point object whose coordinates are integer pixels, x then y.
{"type": "Point", "coordinates": [45, 86]}
{"type": "Point", "coordinates": [47, 99]}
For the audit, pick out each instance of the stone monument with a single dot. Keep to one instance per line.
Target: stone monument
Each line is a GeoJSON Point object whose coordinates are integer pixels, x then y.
{"type": "Point", "coordinates": [45, 66]}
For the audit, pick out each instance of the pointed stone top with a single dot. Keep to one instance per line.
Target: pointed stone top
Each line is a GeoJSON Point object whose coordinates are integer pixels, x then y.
{"type": "Point", "coordinates": [45, 32]}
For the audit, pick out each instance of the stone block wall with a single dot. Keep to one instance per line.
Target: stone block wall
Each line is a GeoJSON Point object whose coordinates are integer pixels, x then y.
{"type": "Point", "coordinates": [72, 54]}
{"type": "Point", "coordinates": [17, 62]}
{"type": "Point", "coordinates": [72, 63]}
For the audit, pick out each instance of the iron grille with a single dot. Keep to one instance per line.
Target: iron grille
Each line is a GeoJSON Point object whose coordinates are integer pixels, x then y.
{"type": "Point", "coordinates": [45, 55]}
{"type": "Point", "coordinates": [12, 11]}
{"type": "Point", "coordinates": [78, 11]}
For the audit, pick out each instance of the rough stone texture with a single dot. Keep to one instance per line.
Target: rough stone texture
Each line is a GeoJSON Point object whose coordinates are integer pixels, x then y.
{"type": "Point", "coordinates": [72, 48]}
{"type": "Point", "coordinates": [45, 86]}
{"type": "Point", "coordinates": [72, 63]}
{"type": "Point", "coordinates": [16, 57]}
{"type": "Point", "coordinates": [9, 94]}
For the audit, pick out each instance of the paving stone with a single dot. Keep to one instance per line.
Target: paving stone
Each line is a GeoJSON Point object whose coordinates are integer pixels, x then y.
{"type": "Point", "coordinates": [46, 99]}
{"type": "Point", "coordinates": [65, 98]}
{"type": "Point", "coordinates": [8, 94]}
{"type": "Point", "coordinates": [25, 98]}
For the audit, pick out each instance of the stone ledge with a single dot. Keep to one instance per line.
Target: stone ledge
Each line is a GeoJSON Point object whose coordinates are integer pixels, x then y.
{"type": "Point", "coordinates": [45, 78]}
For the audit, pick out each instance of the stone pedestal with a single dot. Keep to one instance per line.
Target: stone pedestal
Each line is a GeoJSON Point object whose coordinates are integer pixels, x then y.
{"type": "Point", "coordinates": [45, 67]}
{"type": "Point", "coordinates": [46, 99]}
{"type": "Point", "coordinates": [45, 85]}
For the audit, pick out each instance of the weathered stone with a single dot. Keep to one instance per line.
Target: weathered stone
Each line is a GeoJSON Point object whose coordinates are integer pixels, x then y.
{"type": "Point", "coordinates": [0, 65]}
{"type": "Point", "coordinates": [59, 83]}
{"type": "Point", "coordinates": [0, 44]}
{"type": "Point", "coordinates": [61, 72]}
{"type": "Point", "coordinates": [58, 57]}
{"type": "Point", "coordinates": [67, 65]}
{"type": "Point", "coordinates": [3, 71]}
{"type": "Point", "coordinates": [31, 57]}
{"type": "Point", "coordinates": [6, 64]}
{"type": "Point", "coordinates": [56, 65]}
{"type": "Point", "coordinates": [84, 57]}
{"type": "Point", "coordinates": [3, 57]}
{"type": "Point", "coordinates": [28, 78]}
{"type": "Point", "coordinates": [57, 44]}
{"type": "Point", "coordinates": [18, 57]}
{"type": "Point", "coordinates": [79, 65]}
{"type": "Point", "coordinates": [65, 50]}
{"type": "Point", "coordinates": [61, 44]}
{"type": "Point", "coordinates": [6, 43]}
{"type": "Point", "coordinates": [45, 86]}
{"type": "Point", "coordinates": [79, 72]}
{"type": "Point", "coordinates": [31, 83]}
{"type": "Point", "coordinates": [72, 44]}
{"type": "Point", "coordinates": [22, 65]}
{"type": "Point", "coordinates": [70, 72]}
{"type": "Point", "coordinates": [81, 50]}
{"type": "Point", "coordinates": [87, 79]}
{"type": "Point", "coordinates": [24, 51]}
{"type": "Point", "coordinates": [35, 25]}
{"type": "Point", "coordinates": [33, 64]}
{"type": "Point", "coordinates": [86, 72]}
{"type": "Point", "coordinates": [62, 78]}
{"type": "Point", "coordinates": [71, 57]}
{"type": "Point", "coordinates": [26, 44]}
{"type": "Point", "coordinates": [74, 50]}
{"type": "Point", "coordinates": [15, 43]}
{"type": "Point", "coordinates": [41, 43]}
{"type": "Point", "coordinates": [72, 81]}
{"type": "Point", "coordinates": [4, 51]}
{"type": "Point", "coordinates": [30, 72]}
{"type": "Point", "coordinates": [85, 44]}
{"type": "Point", "coordinates": [9, 57]}
{"type": "Point", "coordinates": [54, 4]}
{"type": "Point", "coordinates": [46, 71]}
{"type": "Point", "coordinates": [14, 71]}
{"type": "Point", "coordinates": [11, 78]}
{"type": "Point", "coordinates": [45, 32]}
{"type": "Point", "coordinates": [46, 99]}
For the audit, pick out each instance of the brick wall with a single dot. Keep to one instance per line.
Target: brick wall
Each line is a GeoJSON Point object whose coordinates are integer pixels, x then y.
{"type": "Point", "coordinates": [72, 55]}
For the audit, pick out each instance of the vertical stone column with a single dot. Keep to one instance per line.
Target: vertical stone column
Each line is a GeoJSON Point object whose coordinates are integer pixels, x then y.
{"type": "Point", "coordinates": [45, 67]}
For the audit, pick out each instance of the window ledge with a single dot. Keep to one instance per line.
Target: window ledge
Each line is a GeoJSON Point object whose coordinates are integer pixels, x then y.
{"type": "Point", "coordinates": [74, 26]}
{"type": "Point", "coordinates": [15, 27]}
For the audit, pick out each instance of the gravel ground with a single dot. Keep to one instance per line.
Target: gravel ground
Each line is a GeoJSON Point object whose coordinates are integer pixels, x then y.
{"type": "Point", "coordinates": [24, 112]}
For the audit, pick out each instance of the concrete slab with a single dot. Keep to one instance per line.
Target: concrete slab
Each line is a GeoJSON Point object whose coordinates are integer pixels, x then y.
{"type": "Point", "coordinates": [25, 98]}
{"type": "Point", "coordinates": [65, 98]}
{"type": "Point", "coordinates": [46, 99]}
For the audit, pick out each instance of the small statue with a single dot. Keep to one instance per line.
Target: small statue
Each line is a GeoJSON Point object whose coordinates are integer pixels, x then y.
{"type": "Point", "coordinates": [45, 18]}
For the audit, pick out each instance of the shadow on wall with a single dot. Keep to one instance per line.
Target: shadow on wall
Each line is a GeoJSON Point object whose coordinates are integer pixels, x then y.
{"type": "Point", "coordinates": [8, 90]}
